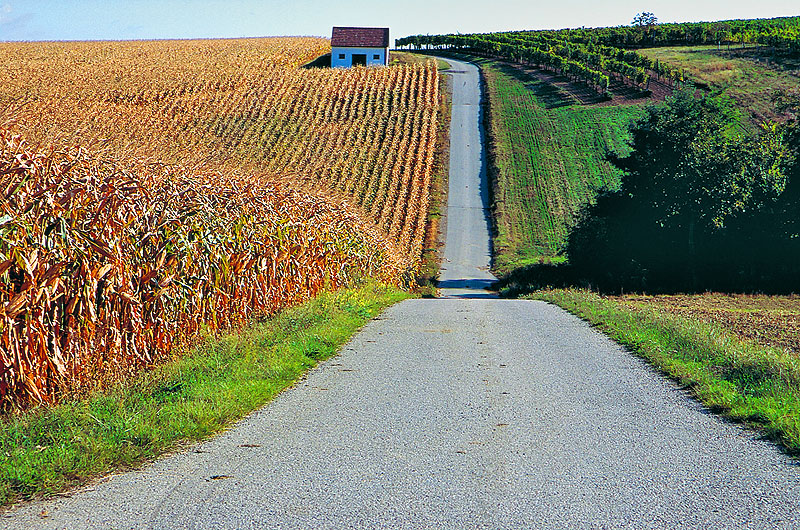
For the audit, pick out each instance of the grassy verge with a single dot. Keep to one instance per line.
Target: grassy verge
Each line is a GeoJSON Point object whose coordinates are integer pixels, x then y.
{"type": "Point", "coordinates": [51, 449]}
{"type": "Point", "coordinates": [769, 320]}
{"type": "Point", "coordinates": [548, 159]}
{"type": "Point", "coordinates": [741, 379]}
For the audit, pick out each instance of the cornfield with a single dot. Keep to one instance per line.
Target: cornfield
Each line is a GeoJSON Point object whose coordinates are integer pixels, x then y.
{"type": "Point", "coordinates": [149, 190]}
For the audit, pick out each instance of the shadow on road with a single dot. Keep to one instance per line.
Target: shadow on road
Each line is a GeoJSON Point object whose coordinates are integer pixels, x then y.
{"type": "Point", "coordinates": [467, 288]}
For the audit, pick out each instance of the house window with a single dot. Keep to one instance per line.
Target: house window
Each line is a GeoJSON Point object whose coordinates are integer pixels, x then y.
{"type": "Point", "coordinates": [341, 56]}
{"type": "Point", "coordinates": [376, 56]}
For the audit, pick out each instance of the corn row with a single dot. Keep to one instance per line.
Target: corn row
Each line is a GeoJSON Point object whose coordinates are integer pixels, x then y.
{"type": "Point", "coordinates": [103, 267]}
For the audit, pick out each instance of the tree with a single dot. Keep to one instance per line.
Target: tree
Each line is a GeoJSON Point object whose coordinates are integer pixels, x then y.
{"type": "Point", "coordinates": [690, 171]}
{"type": "Point", "coordinates": [722, 33]}
{"type": "Point", "coordinates": [644, 19]}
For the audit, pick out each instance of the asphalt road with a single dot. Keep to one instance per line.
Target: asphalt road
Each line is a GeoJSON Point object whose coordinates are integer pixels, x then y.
{"type": "Point", "coordinates": [467, 256]}
{"type": "Point", "coordinates": [459, 414]}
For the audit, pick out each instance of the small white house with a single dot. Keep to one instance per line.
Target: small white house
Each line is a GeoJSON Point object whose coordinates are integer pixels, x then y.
{"type": "Point", "coordinates": [359, 46]}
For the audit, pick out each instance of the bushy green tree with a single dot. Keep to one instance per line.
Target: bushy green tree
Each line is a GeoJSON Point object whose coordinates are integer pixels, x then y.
{"type": "Point", "coordinates": [693, 167]}
{"type": "Point", "coordinates": [644, 19]}
{"type": "Point", "coordinates": [690, 171]}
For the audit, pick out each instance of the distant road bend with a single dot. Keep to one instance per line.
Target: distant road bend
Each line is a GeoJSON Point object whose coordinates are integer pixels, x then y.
{"type": "Point", "coordinates": [461, 412]}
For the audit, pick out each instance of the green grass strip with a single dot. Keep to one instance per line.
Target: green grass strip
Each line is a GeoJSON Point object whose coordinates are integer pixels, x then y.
{"type": "Point", "coordinates": [548, 160]}
{"type": "Point", "coordinates": [51, 449]}
{"type": "Point", "coordinates": [740, 379]}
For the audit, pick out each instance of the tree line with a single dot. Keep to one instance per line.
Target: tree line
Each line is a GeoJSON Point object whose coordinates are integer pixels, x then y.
{"type": "Point", "coordinates": [780, 32]}
{"type": "Point", "coordinates": [567, 59]}
{"type": "Point", "coordinates": [593, 55]}
{"type": "Point", "coordinates": [592, 63]}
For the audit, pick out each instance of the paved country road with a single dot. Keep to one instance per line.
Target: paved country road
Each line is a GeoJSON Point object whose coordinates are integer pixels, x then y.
{"type": "Point", "coordinates": [467, 252]}
{"type": "Point", "coordinates": [459, 413]}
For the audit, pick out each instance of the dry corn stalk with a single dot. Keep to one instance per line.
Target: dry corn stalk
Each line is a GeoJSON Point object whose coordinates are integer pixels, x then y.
{"type": "Point", "coordinates": [103, 267]}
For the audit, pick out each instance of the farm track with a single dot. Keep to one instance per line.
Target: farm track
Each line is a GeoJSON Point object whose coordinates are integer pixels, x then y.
{"type": "Point", "coordinates": [460, 413]}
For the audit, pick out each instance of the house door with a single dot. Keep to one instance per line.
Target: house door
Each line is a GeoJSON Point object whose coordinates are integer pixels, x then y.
{"type": "Point", "coordinates": [359, 59]}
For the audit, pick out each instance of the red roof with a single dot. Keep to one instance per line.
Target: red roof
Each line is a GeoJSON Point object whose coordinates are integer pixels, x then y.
{"type": "Point", "coordinates": [361, 37]}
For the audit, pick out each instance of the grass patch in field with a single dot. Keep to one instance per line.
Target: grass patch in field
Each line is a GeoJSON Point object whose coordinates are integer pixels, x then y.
{"type": "Point", "coordinates": [51, 449]}
{"type": "Point", "coordinates": [548, 160]}
{"type": "Point", "coordinates": [397, 57]}
{"type": "Point", "coordinates": [750, 76]}
{"type": "Point", "coordinates": [741, 379]}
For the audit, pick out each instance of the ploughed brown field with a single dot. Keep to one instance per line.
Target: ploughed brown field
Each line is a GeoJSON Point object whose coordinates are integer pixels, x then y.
{"type": "Point", "coordinates": [769, 320]}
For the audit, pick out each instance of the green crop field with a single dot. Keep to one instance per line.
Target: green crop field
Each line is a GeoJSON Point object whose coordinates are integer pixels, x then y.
{"type": "Point", "coordinates": [549, 156]}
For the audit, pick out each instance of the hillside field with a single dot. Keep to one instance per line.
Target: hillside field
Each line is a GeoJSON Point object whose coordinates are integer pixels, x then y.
{"type": "Point", "coordinates": [751, 76]}
{"type": "Point", "coordinates": [155, 189]}
{"type": "Point", "coordinates": [548, 150]}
